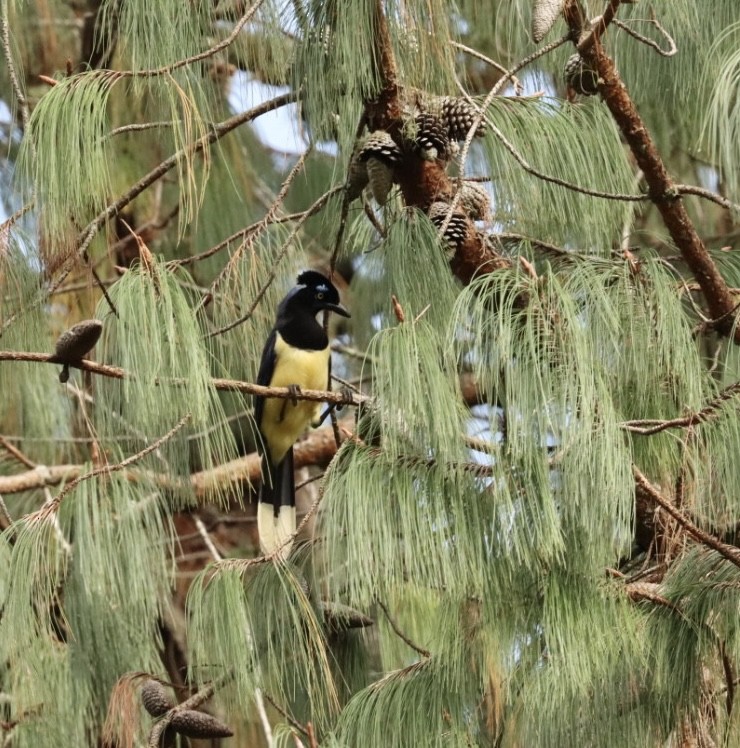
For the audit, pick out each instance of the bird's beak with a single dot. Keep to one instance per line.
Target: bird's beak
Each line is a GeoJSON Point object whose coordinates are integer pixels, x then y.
{"type": "Point", "coordinates": [338, 309]}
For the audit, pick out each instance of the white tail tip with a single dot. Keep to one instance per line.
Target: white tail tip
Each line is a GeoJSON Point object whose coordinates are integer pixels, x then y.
{"type": "Point", "coordinates": [275, 531]}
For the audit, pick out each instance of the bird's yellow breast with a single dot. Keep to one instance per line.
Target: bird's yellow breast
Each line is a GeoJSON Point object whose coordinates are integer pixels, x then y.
{"type": "Point", "coordinates": [282, 422]}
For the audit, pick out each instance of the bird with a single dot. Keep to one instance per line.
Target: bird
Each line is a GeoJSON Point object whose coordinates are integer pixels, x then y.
{"type": "Point", "coordinates": [296, 355]}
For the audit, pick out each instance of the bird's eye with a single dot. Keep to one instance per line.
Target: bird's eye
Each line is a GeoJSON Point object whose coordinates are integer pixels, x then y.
{"type": "Point", "coordinates": [319, 296]}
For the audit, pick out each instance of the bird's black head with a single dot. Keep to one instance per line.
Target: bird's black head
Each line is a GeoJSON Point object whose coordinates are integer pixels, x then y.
{"type": "Point", "coordinates": [313, 294]}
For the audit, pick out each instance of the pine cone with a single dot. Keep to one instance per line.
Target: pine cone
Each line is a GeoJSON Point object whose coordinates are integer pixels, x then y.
{"type": "Point", "coordinates": [456, 229]}
{"type": "Point", "coordinates": [380, 145]}
{"type": "Point", "coordinates": [74, 343]}
{"type": "Point", "coordinates": [357, 178]}
{"type": "Point", "coordinates": [380, 154]}
{"type": "Point", "coordinates": [474, 201]}
{"type": "Point", "coordinates": [459, 114]}
{"type": "Point", "coordinates": [338, 617]}
{"type": "Point", "coordinates": [579, 77]}
{"type": "Point", "coordinates": [194, 724]}
{"type": "Point", "coordinates": [431, 136]}
{"type": "Point", "coordinates": [155, 698]}
{"type": "Point", "coordinates": [380, 177]}
{"type": "Point", "coordinates": [544, 15]}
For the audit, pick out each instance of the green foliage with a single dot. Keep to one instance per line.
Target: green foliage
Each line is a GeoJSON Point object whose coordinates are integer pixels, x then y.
{"type": "Point", "coordinates": [578, 144]}
{"type": "Point", "coordinates": [722, 124]}
{"type": "Point", "coordinates": [69, 170]}
{"type": "Point", "coordinates": [156, 339]}
{"type": "Point", "coordinates": [521, 590]}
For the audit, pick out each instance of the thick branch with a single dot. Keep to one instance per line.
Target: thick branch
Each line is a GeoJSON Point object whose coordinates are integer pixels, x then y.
{"type": "Point", "coordinates": [662, 189]}
{"type": "Point", "coordinates": [317, 449]}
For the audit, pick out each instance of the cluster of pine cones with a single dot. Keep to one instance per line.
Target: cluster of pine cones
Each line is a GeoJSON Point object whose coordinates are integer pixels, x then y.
{"type": "Point", "coordinates": [432, 133]}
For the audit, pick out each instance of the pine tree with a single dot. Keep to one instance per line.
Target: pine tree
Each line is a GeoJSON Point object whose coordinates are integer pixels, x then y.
{"type": "Point", "coordinates": [520, 527]}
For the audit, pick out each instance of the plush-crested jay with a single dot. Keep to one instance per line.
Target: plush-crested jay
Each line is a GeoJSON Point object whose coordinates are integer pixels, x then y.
{"type": "Point", "coordinates": [296, 355]}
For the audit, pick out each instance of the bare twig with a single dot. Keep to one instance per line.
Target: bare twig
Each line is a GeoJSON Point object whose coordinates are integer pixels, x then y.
{"type": "Point", "coordinates": [672, 48]}
{"type": "Point", "coordinates": [8, 222]}
{"type": "Point", "coordinates": [556, 180]}
{"type": "Point", "coordinates": [203, 532]}
{"type": "Point", "coordinates": [266, 727]}
{"type": "Point", "coordinates": [51, 507]}
{"type": "Point", "coordinates": [264, 222]}
{"type": "Point", "coordinates": [291, 720]}
{"type": "Point", "coordinates": [15, 452]}
{"type": "Point", "coordinates": [301, 216]}
{"type": "Point", "coordinates": [210, 52]}
{"type": "Point", "coordinates": [480, 56]}
{"type": "Point", "coordinates": [688, 189]}
{"type": "Point", "coordinates": [425, 653]}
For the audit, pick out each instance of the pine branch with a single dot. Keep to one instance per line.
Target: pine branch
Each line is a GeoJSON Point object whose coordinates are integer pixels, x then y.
{"type": "Point", "coordinates": [662, 190]}
{"type": "Point", "coordinates": [262, 225]}
{"type": "Point", "coordinates": [646, 427]}
{"type": "Point", "coordinates": [425, 653]}
{"type": "Point", "coordinates": [729, 552]}
{"type": "Point", "coordinates": [51, 507]}
{"type": "Point", "coordinates": [317, 449]}
{"type": "Point", "coordinates": [224, 385]}
{"type": "Point", "coordinates": [157, 731]}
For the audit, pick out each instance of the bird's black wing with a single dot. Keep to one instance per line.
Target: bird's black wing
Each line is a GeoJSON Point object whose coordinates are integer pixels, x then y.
{"type": "Point", "coordinates": [264, 375]}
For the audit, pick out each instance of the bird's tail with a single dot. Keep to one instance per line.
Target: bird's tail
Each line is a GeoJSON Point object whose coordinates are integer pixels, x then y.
{"type": "Point", "coordinates": [276, 509]}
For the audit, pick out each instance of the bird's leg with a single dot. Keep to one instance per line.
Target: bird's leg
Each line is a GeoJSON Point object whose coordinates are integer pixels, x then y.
{"type": "Point", "coordinates": [295, 390]}
{"type": "Point", "coordinates": [347, 394]}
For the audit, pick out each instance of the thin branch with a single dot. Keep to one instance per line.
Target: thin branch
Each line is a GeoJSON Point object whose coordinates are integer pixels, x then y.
{"type": "Point", "coordinates": [203, 532]}
{"type": "Point", "coordinates": [137, 127]}
{"type": "Point", "coordinates": [556, 180]}
{"type": "Point", "coordinates": [51, 507]}
{"type": "Point", "coordinates": [344, 211]}
{"type": "Point", "coordinates": [5, 519]}
{"type": "Point", "coordinates": [646, 427]}
{"type": "Point", "coordinates": [268, 282]}
{"type": "Point", "coordinates": [425, 653]}
{"type": "Point", "coordinates": [688, 189]}
{"type": "Point", "coordinates": [12, 73]}
{"type": "Point", "coordinates": [8, 222]}
{"type": "Point", "coordinates": [672, 48]}
{"type": "Point", "coordinates": [224, 385]}
{"type": "Point", "coordinates": [15, 452]}
{"type": "Point", "coordinates": [480, 56]}
{"type": "Point", "coordinates": [263, 223]}
{"type": "Point", "coordinates": [729, 552]}
{"type": "Point", "coordinates": [266, 727]}
{"type": "Point", "coordinates": [291, 720]}
{"type": "Point", "coordinates": [302, 215]}
{"type": "Point", "coordinates": [210, 52]}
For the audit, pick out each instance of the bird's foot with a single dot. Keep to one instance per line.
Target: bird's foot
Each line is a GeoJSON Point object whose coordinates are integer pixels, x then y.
{"type": "Point", "coordinates": [347, 393]}
{"type": "Point", "coordinates": [294, 390]}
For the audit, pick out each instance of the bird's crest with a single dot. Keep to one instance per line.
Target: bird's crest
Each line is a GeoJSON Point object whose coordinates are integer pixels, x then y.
{"type": "Point", "coordinates": [313, 279]}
